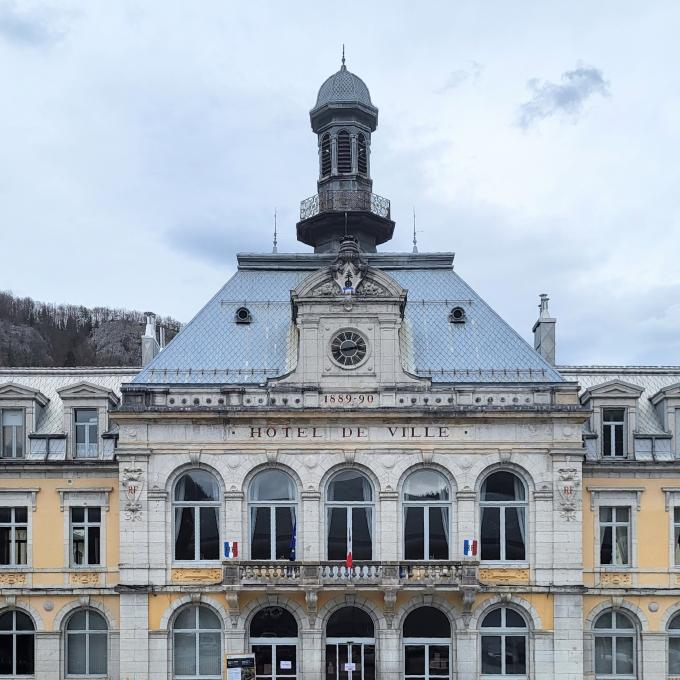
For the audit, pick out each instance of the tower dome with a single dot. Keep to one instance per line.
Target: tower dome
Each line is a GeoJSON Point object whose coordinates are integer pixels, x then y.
{"type": "Point", "coordinates": [343, 87]}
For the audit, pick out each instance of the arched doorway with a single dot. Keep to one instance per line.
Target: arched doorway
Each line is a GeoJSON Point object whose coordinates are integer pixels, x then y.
{"type": "Point", "coordinates": [273, 640]}
{"type": "Point", "coordinates": [350, 645]}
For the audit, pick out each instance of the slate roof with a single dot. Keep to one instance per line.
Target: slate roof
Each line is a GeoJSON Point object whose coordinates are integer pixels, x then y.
{"type": "Point", "coordinates": [343, 87]}
{"type": "Point", "coordinates": [212, 348]}
{"type": "Point", "coordinates": [650, 378]}
{"type": "Point", "coordinates": [49, 380]}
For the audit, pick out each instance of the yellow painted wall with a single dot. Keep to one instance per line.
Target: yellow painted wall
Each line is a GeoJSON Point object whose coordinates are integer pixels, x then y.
{"type": "Point", "coordinates": [652, 527]}
{"type": "Point", "coordinates": [48, 525]}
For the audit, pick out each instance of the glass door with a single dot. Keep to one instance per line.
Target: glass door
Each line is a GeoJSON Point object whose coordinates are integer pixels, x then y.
{"type": "Point", "coordinates": [275, 661]}
{"type": "Point", "coordinates": [350, 660]}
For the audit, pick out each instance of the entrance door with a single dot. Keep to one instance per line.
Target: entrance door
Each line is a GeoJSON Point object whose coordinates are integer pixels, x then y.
{"type": "Point", "coordinates": [350, 659]}
{"type": "Point", "coordinates": [273, 639]}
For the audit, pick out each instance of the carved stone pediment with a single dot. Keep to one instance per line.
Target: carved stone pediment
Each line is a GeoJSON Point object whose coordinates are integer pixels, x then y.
{"type": "Point", "coordinates": [86, 390]}
{"type": "Point", "coordinates": [10, 390]}
{"type": "Point", "coordinates": [617, 389]}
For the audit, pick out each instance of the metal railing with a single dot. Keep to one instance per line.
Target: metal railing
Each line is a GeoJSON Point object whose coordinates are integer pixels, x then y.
{"type": "Point", "coordinates": [344, 200]}
{"type": "Point", "coordinates": [364, 573]}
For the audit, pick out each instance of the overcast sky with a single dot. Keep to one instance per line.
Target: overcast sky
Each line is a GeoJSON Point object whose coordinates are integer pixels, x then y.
{"type": "Point", "coordinates": [143, 144]}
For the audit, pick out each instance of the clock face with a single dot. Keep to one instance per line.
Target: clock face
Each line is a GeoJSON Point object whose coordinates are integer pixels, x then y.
{"type": "Point", "coordinates": [348, 348]}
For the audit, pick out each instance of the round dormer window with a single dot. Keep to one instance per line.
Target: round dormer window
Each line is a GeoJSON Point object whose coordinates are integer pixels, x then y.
{"type": "Point", "coordinates": [348, 348]}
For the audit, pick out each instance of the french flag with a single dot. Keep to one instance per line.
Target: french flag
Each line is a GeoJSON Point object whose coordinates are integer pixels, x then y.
{"type": "Point", "coordinates": [348, 559]}
{"type": "Point", "coordinates": [469, 548]}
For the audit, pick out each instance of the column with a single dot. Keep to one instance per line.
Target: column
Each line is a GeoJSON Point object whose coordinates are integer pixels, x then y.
{"type": "Point", "coordinates": [311, 547]}
{"type": "Point", "coordinates": [310, 654]}
{"type": "Point", "coordinates": [543, 655]}
{"type": "Point", "coordinates": [653, 655]}
{"type": "Point", "coordinates": [158, 654]}
{"type": "Point", "coordinates": [233, 521]}
{"type": "Point", "coordinates": [388, 654]}
{"type": "Point", "coordinates": [568, 636]}
{"type": "Point", "coordinates": [467, 656]}
{"type": "Point", "coordinates": [387, 532]}
{"type": "Point", "coordinates": [47, 656]}
{"type": "Point", "coordinates": [466, 512]}
{"type": "Point", "coordinates": [134, 637]}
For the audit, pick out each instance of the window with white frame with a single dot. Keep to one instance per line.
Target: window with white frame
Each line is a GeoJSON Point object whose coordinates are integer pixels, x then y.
{"type": "Point", "coordinates": [86, 533]}
{"type": "Point", "coordinates": [273, 525]}
{"type": "Point", "coordinates": [197, 645]}
{"type": "Point", "coordinates": [349, 505]}
{"type": "Point", "coordinates": [614, 535]}
{"type": "Point", "coordinates": [13, 536]}
{"type": "Point", "coordinates": [273, 640]}
{"type": "Point", "coordinates": [13, 433]}
{"type": "Point", "coordinates": [503, 504]}
{"type": "Point", "coordinates": [86, 644]}
{"type": "Point", "coordinates": [17, 644]}
{"type": "Point", "coordinates": [504, 643]}
{"type": "Point", "coordinates": [196, 507]}
{"type": "Point", "coordinates": [87, 428]}
{"type": "Point", "coordinates": [613, 432]}
{"type": "Point", "coordinates": [426, 505]}
{"type": "Point", "coordinates": [615, 642]}
{"type": "Point", "coordinates": [674, 646]}
{"type": "Point", "coordinates": [427, 645]}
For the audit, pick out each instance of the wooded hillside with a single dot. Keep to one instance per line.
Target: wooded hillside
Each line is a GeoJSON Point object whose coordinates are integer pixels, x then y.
{"type": "Point", "coordinates": [42, 334]}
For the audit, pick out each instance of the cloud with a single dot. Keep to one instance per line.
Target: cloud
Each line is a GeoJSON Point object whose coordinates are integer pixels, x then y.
{"type": "Point", "coordinates": [27, 27]}
{"type": "Point", "coordinates": [459, 76]}
{"type": "Point", "coordinates": [566, 97]}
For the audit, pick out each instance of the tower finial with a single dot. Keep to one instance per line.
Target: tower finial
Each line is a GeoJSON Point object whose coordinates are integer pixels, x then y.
{"type": "Point", "coordinates": [415, 240]}
{"type": "Point", "coordinates": [343, 54]}
{"type": "Point", "coordinates": [274, 249]}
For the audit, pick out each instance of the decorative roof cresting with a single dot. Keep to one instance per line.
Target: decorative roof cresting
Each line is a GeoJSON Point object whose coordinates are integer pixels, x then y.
{"type": "Point", "coordinates": [343, 87]}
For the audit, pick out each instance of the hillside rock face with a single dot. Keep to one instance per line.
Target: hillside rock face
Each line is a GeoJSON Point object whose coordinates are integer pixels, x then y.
{"type": "Point", "coordinates": [40, 334]}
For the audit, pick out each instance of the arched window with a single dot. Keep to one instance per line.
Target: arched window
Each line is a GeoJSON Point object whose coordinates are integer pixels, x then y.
{"type": "Point", "coordinates": [273, 526]}
{"type": "Point", "coordinates": [326, 155]}
{"type": "Point", "coordinates": [426, 501]}
{"type": "Point", "coordinates": [350, 639]}
{"type": "Point", "coordinates": [427, 645]}
{"type": "Point", "coordinates": [197, 512]}
{"type": "Point", "coordinates": [504, 643]}
{"type": "Point", "coordinates": [615, 642]}
{"type": "Point", "coordinates": [363, 154]}
{"type": "Point", "coordinates": [273, 638]}
{"type": "Point", "coordinates": [504, 517]}
{"type": "Point", "coordinates": [197, 645]}
{"type": "Point", "coordinates": [674, 646]}
{"type": "Point", "coordinates": [17, 644]}
{"type": "Point", "coordinates": [86, 643]}
{"type": "Point", "coordinates": [344, 152]}
{"type": "Point", "coordinates": [349, 517]}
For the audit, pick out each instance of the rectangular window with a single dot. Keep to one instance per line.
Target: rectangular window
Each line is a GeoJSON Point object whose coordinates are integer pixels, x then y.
{"type": "Point", "coordinates": [13, 536]}
{"type": "Point", "coordinates": [426, 533]}
{"type": "Point", "coordinates": [613, 432]}
{"type": "Point", "coordinates": [615, 536]}
{"type": "Point", "coordinates": [676, 535]}
{"type": "Point", "coordinates": [86, 426]}
{"type": "Point", "coordinates": [86, 529]}
{"type": "Point", "coordinates": [13, 433]}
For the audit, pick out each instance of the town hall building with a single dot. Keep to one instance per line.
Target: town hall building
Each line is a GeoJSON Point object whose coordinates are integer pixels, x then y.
{"type": "Point", "coordinates": [349, 465]}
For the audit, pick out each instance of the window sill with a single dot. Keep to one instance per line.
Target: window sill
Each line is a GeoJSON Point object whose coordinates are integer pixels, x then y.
{"type": "Point", "coordinates": [504, 563]}
{"type": "Point", "coordinates": [88, 567]}
{"type": "Point", "coordinates": [604, 568]}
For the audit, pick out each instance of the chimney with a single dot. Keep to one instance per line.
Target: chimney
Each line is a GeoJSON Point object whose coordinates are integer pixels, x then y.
{"type": "Point", "coordinates": [544, 332]}
{"type": "Point", "coordinates": [150, 347]}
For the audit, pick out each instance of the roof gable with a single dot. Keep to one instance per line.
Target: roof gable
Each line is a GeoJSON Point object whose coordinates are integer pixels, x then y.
{"type": "Point", "coordinates": [86, 390]}
{"type": "Point", "coordinates": [613, 389]}
{"type": "Point", "coordinates": [10, 390]}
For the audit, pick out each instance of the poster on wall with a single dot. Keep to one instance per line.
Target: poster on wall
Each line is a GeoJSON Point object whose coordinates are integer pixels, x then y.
{"type": "Point", "coordinates": [240, 667]}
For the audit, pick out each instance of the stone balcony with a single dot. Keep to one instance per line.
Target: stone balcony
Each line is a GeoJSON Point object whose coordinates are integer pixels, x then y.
{"type": "Point", "coordinates": [364, 575]}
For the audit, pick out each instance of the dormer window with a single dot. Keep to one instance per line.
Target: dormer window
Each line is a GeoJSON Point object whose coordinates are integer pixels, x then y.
{"type": "Point", "coordinates": [613, 429]}
{"type": "Point", "coordinates": [13, 433]}
{"type": "Point", "coordinates": [87, 432]}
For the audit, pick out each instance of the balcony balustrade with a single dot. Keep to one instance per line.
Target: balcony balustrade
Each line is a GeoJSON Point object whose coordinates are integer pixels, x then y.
{"type": "Point", "coordinates": [344, 201]}
{"type": "Point", "coordinates": [449, 575]}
